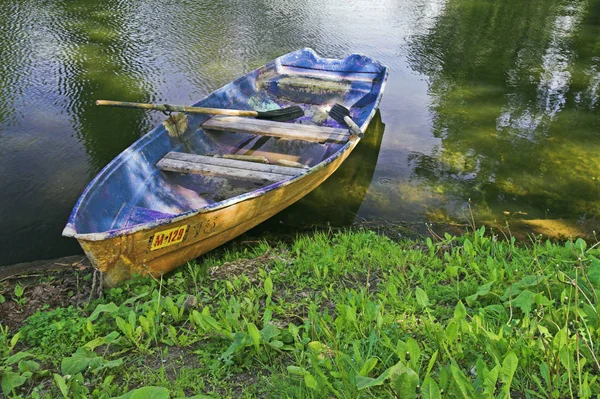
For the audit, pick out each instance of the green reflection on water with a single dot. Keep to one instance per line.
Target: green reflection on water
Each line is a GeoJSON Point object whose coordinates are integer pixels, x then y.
{"type": "Point", "coordinates": [515, 93]}
{"type": "Point", "coordinates": [101, 63]}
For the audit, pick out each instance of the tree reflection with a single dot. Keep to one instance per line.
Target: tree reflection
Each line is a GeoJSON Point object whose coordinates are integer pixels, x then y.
{"type": "Point", "coordinates": [514, 88]}
{"type": "Point", "coordinates": [99, 61]}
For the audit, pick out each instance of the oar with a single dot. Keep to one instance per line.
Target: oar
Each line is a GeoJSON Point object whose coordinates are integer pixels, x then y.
{"type": "Point", "coordinates": [280, 115]}
{"type": "Point", "coordinates": [341, 114]}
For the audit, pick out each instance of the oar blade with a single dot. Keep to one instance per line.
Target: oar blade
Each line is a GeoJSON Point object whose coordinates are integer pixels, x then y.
{"type": "Point", "coordinates": [282, 115]}
{"type": "Point", "coordinates": [341, 115]}
{"type": "Point", "coordinates": [338, 112]}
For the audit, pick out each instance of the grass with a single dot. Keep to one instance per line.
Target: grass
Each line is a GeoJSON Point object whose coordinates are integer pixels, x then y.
{"type": "Point", "coordinates": [348, 315]}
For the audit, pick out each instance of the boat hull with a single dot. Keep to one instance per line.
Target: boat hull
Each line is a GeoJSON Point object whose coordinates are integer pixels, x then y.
{"type": "Point", "coordinates": [146, 214]}
{"type": "Point", "coordinates": [122, 256]}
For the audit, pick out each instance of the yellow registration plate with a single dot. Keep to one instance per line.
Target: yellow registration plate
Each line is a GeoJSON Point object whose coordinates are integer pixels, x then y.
{"type": "Point", "coordinates": [168, 237]}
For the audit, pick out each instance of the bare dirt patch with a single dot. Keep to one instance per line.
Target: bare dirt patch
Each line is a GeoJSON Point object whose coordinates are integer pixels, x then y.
{"type": "Point", "coordinates": [44, 286]}
{"type": "Point", "coordinates": [248, 267]}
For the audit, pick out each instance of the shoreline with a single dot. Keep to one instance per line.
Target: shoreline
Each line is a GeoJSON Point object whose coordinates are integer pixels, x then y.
{"type": "Point", "coordinates": [522, 229]}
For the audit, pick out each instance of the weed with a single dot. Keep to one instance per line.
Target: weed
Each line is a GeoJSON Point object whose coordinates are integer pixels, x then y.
{"type": "Point", "coordinates": [334, 315]}
{"type": "Point", "coordinates": [19, 298]}
{"type": "Point", "coordinates": [53, 334]}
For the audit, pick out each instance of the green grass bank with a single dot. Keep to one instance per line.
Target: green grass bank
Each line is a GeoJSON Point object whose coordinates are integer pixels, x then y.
{"type": "Point", "coordinates": [344, 315]}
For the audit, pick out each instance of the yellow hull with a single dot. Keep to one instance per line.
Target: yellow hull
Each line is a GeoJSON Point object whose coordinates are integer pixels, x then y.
{"type": "Point", "coordinates": [122, 256]}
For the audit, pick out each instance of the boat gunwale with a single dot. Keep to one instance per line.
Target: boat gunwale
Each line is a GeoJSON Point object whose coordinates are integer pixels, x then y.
{"type": "Point", "coordinates": [70, 231]}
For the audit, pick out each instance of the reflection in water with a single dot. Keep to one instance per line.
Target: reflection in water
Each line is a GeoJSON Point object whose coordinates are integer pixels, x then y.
{"type": "Point", "coordinates": [61, 58]}
{"type": "Point", "coordinates": [488, 100]}
{"type": "Point", "coordinates": [514, 104]}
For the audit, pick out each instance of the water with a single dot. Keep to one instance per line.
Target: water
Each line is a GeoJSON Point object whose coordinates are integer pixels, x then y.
{"type": "Point", "coordinates": [492, 104]}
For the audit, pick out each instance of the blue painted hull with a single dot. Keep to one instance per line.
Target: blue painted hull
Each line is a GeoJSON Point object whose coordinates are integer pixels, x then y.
{"type": "Point", "coordinates": [131, 202]}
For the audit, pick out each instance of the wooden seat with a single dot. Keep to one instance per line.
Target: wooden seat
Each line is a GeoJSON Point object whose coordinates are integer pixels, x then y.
{"type": "Point", "coordinates": [264, 127]}
{"type": "Point", "coordinates": [225, 167]}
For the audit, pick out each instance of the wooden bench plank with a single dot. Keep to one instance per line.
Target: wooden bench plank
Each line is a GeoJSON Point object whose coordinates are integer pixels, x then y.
{"type": "Point", "coordinates": [223, 167]}
{"type": "Point", "coordinates": [264, 127]}
{"type": "Point", "coordinates": [233, 163]}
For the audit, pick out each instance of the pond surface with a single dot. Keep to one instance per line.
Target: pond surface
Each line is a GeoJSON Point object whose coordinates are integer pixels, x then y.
{"type": "Point", "coordinates": [490, 105]}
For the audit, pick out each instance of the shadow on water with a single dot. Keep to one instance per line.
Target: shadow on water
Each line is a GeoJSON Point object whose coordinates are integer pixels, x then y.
{"type": "Point", "coordinates": [515, 104]}
{"type": "Point", "coordinates": [337, 200]}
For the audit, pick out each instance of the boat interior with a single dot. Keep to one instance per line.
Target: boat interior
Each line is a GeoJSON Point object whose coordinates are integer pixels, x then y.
{"type": "Point", "coordinates": [194, 161]}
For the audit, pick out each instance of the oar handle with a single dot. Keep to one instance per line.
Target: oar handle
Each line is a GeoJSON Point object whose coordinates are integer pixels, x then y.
{"type": "Point", "coordinates": [356, 132]}
{"type": "Point", "coordinates": [177, 108]}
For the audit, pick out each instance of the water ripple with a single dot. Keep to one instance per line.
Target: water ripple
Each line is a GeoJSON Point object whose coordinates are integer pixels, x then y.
{"type": "Point", "coordinates": [471, 84]}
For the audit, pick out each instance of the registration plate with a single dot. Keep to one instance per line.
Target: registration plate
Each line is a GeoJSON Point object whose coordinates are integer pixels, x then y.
{"type": "Point", "coordinates": [168, 237]}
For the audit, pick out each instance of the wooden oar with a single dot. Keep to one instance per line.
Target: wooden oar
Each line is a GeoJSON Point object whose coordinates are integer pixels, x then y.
{"type": "Point", "coordinates": [280, 115]}
{"type": "Point", "coordinates": [341, 114]}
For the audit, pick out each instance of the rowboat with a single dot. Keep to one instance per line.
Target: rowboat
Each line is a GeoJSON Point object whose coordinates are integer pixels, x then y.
{"type": "Point", "coordinates": [199, 180]}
